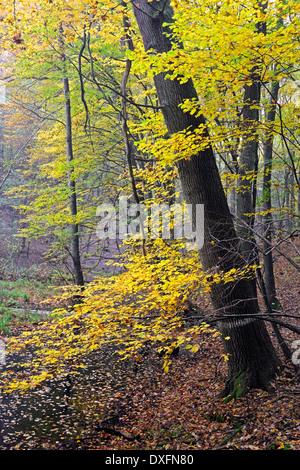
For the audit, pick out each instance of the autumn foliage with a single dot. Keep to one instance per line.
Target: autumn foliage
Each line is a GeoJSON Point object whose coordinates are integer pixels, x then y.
{"type": "Point", "coordinates": [218, 45]}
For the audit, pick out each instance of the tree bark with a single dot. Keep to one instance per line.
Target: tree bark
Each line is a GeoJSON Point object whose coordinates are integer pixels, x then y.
{"type": "Point", "coordinates": [267, 180]}
{"type": "Point", "coordinates": [75, 248]}
{"type": "Point", "coordinates": [248, 161]}
{"type": "Point", "coordinates": [252, 358]}
{"type": "Point", "coordinates": [248, 165]}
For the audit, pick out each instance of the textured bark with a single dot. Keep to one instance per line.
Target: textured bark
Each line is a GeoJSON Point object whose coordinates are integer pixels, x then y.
{"type": "Point", "coordinates": [248, 165]}
{"type": "Point", "coordinates": [253, 362]}
{"type": "Point", "coordinates": [248, 161]}
{"type": "Point", "coordinates": [75, 249]}
{"type": "Point", "coordinates": [267, 180]}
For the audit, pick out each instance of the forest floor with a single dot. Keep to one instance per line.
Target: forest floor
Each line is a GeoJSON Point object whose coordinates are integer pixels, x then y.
{"type": "Point", "coordinates": [136, 406]}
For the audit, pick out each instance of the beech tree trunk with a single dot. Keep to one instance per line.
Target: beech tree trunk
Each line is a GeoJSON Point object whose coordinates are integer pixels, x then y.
{"type": "Point", "coordinates": [248, 166]}
{"type": "Point", "coordinates": [248, 161]}
{"type": "Point", "coordinates": [252, 359]}
{"type": "Point", "coordinates": [267, 180]}
{"type": "Point", "coordinates": [75, 249]}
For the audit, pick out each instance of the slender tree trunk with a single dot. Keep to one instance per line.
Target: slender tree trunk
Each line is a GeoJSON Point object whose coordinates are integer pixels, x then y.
{"type": "Point", "coordinates": [292, 206]}
{"type": "Point", "coordinates": [267, 180]}
{"type": "Point", "coordinates": [248, 165]}
{"type": "Point", "coordinates": [268, 286]}
{"type": "Point", "coordinates": [287, 226]}
{"type": "Point", "coordinates": [252, 359]}
{"type": "Point", "coordinates": [248, 161]}
{"type": "Point", "coordinates": [298, 205]}
{"type": "Point", "coordinates": [75, 248]}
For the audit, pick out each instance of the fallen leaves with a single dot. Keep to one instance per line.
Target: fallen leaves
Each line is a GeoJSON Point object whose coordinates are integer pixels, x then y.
{"type": "Point", "coordinates": [134, 404]}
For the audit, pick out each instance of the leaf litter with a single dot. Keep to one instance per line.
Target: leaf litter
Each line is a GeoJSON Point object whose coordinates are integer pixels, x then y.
{"type": "Point", "coordinates": [133, 404]}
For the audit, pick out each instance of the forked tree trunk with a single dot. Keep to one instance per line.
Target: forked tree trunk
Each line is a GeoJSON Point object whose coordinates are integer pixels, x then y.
{"type": "Point", "coordinates": [252, 359]}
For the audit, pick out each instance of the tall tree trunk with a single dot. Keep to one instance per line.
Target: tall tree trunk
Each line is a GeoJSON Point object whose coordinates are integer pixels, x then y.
{"type": "Point", "coordinates": [268, 286]}
{"type": "Point", "coordinates": [248, 165]}
{"type": "Point", "coordinates": [267, 180]}
{"type": "Point", "coordinates": [75, 248]}
{"type": "Point", "coordinates": [252, 358]}
{"type": "Point", "coordinates": [298, 205]}
{"type": "Point", "coordinates": [248, 161]}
